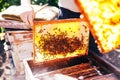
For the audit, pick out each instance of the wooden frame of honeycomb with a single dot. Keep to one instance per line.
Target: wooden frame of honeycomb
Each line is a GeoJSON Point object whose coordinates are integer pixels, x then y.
{"type": "Point", "coordinates": [104, 18]}
{"type": "Point", "coordinates": [60, 39]}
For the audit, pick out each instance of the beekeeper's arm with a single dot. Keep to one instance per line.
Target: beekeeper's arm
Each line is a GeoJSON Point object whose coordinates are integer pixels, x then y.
{"type": "Point", "coordinates": [27, 12]}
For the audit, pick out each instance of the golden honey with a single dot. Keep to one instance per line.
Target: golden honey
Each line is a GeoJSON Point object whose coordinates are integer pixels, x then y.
{"type": "Point", "coordinates": [60, 39]}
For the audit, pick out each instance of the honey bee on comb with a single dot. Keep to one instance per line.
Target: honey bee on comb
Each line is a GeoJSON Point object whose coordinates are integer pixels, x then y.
{"type": "Point", "coordinates": [60, 39]}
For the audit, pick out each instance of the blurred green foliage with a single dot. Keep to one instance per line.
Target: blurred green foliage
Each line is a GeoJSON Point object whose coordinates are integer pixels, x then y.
{"type": "Point", "coordinates": [50, 2]}
{"type": "Point", "coordinates": [2, 30]}
{"type": "Point", "coordinates": [6, 3]}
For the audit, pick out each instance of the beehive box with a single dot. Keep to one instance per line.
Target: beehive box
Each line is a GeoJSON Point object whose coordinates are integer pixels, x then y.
{"type": "Point", "coordinates": [60, 39]}
{"type": "Point", "coordinates": [21, 43]}
{"type": "Point", "coordinates": [47, 70]}
{"type": "Point", "coordinates": [86, 67]}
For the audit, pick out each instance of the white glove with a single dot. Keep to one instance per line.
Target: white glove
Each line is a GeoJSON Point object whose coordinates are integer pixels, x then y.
{"type": "Point", "coordinates": [27, 15]}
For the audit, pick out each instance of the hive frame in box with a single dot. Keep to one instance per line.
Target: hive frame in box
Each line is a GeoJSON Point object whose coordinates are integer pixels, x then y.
{"type": "Point", "coordinates": [60, 38]}
{"type": "Point", "coordinates": [38, 71]}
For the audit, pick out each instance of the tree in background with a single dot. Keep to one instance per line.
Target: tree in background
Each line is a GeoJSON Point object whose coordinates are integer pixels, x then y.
{"type": "Point", "coordinates": [6, 3]}
{"type": "Point", "coordinates": [50, 2]}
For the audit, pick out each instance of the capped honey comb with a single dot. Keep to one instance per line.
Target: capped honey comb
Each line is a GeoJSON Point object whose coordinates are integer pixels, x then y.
{"type": "Point", "coordinates": [104, 19]}
{"type": "Point", "coordinates": [60, 39]}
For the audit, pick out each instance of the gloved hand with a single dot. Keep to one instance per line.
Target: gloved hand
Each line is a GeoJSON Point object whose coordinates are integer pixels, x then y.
{"type": "Point", "coordinates": [27, 15]}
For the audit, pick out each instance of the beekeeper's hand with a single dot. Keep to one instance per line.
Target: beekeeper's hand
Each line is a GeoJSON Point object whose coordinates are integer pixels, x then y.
{"type": "Point", "coordinates": [27, 15]}
{"type": "Point", "coordinates": [27, 12]}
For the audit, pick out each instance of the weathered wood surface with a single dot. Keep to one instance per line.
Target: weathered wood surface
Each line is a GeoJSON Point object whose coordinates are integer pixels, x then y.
{"type": "Point", "coordinates": [110, 76]}
{"type": "Point", "coordinates": [13, 24]}
{"type": "Point", "coordinates": [85, 70]}
{"type": "Point", "coordinates": [21, 47]}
